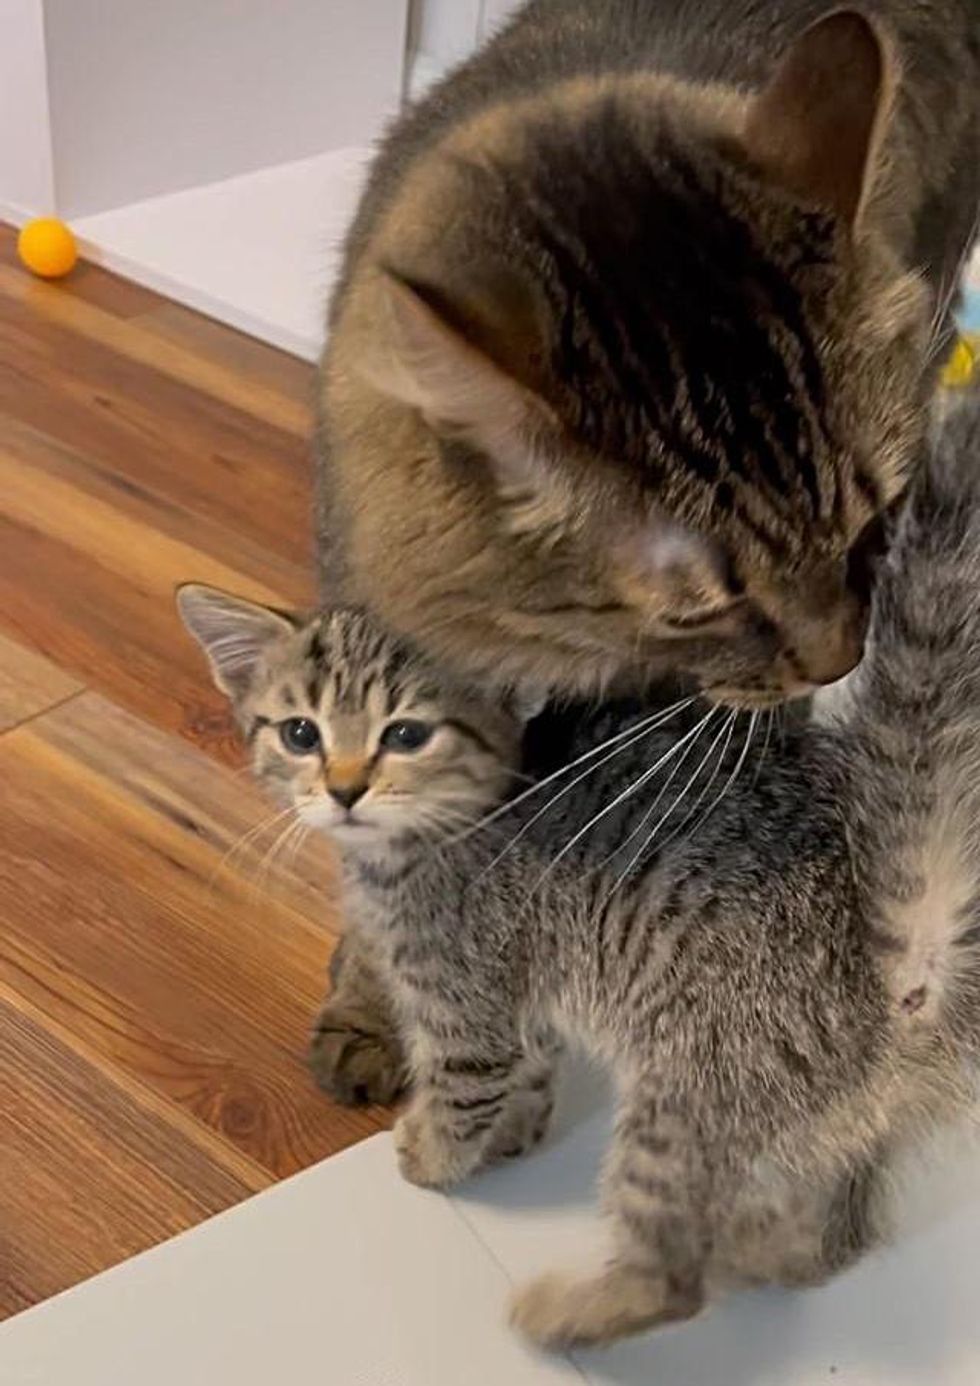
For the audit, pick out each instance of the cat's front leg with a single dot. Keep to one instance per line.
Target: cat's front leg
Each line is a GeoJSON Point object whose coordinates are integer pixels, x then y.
{"type": "Point", "coordinates": [459, 1118]}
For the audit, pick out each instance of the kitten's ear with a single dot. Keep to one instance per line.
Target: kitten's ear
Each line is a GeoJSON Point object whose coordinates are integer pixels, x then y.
{"type": "Point", "coordinates": [236, 635]}
{"type": "Point", "coordinates": [817, 124]}
{"type": "Point", "coordinates": [526, 703]}
{"type": "Point", "coordinates": [420, 356]}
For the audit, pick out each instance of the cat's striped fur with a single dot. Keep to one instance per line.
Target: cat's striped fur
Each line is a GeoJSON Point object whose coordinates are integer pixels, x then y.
{"type": "Point", "coordinates": [787, 989]}
{"type": "Point", "coordinates": [786, 997]}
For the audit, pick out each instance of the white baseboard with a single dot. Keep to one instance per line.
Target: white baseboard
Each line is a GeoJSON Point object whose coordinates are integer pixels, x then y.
{"type": "Point", "coordinates": [259, 251]}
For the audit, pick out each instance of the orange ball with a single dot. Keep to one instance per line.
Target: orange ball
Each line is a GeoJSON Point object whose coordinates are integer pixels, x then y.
{"type": "Point", "coordinates": [47, 248]}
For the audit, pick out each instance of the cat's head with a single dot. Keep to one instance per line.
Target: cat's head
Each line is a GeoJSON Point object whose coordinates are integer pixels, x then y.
{"type": "Point", "coordinates": [629, 375]}
{"type": "Point", "coordinates": [347, 726]}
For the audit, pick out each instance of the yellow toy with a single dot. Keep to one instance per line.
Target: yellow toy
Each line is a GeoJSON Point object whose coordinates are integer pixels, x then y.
{"type": "Point", "coordinates": [964, 362]}
{"type": "Point", "coordinates": [47, 248]}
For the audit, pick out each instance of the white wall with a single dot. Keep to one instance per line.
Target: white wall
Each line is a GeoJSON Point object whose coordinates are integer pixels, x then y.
{"type": "Point", "coordinates": [496, 11]}
{"type": "Point", "coordinates": [26, 177]}
{"type": "Point", "coordinates": [446, 31]}
{"type": "Point", "coordinates": [148, 96]}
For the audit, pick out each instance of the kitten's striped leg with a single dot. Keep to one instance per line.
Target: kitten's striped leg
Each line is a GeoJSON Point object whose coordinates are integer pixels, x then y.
{"type": "Point", "coordinates": [356, 1052]}
{"type": "Point", "coordinates": [474, 1104]}
{"type": "Point", "coordinates": [656, 1192]}
{"type": "Point", "coordinates": [526, 1115]}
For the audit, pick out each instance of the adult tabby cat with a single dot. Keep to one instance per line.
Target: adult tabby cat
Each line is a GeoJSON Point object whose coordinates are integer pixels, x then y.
{"type": "Point", "coordinates": [787, 988]}
{"type": "Point", "coordinates": [635, 334]}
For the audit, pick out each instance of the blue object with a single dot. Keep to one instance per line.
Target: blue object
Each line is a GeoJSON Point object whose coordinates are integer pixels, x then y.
{"type": "Point", "coordinates": [969, 314]}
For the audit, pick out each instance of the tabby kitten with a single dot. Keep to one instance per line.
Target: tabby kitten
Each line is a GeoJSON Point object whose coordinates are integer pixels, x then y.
{"type": "Point", "coordinates": [358, 735]}
{"type": "Point", "coordinates": [786, 988]}
{"type": "Point", "coordinates": [636, 333]}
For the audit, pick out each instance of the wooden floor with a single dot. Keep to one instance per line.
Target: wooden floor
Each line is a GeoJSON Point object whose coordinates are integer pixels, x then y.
{"type": "Point", "coordinates": [155, 985]}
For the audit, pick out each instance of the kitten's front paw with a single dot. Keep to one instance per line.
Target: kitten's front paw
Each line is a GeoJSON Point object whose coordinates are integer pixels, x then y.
{"type": "Point", "coordinates": [522, 1125]}
{"type": "Point", "coordinates": [563, 1311]}
{"type": "Point", "coordinates": [355, 1065]}
{"type": "Point", "coordinates": [427, 1156]}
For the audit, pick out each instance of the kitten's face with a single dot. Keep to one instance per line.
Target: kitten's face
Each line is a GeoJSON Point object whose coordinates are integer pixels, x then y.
{"type": "Point", "coordinates": [348, 728]}
{"type": "Point", "coordinates": [639, 402]}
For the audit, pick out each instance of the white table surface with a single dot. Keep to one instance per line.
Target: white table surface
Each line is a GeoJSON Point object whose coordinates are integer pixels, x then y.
{"type": "Point", "coordinates": [346, 1276]}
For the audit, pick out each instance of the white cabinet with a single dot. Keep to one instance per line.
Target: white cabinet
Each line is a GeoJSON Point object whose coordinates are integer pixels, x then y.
{"type": "Point", "coordinates": [211, 149]}
{"type": "Point", "coordinates": [214, 149]}
{"type": "Point", "coordinates": [147, 97]}
{"type": "Point", "coordinates": [446, 31]}
{"type": "Point", "coordinates": [128, 99]}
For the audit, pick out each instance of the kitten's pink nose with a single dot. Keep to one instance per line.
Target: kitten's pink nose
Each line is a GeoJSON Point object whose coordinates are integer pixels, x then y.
{"type": "Point", "coordinates": [347, 795]}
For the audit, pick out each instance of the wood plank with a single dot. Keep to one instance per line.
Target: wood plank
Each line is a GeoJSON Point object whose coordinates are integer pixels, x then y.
{"type": "Point", "coordinates": [157, 976]}
{"type": "Point", "coordinates": [240, 558]}
{"type": "Point", "coordinates": [121, 926]}
{"type": "Point", "coordinates": [29, 684]}
{"type": "Point", "coordinates": [90, 563]}
{"type": "Point", "coordinates": [49, 301]}
{"type": "Point", "coordinates": [88, 1174]}
{"type": "Point", "coordinates": [94, 285]}
{"type": "Point", "coordinates": [180, 442]}
{"type": "Point", "coordinates": [246, 356]}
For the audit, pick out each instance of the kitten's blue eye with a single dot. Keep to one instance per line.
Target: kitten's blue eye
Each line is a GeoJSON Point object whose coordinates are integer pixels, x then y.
{"type": "Point", "coordinates": [299, 735]}
{"type": "Point", "coordinates": [405, 736]}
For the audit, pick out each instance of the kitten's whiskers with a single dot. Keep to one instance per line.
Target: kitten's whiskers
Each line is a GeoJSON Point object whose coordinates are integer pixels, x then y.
{"type": "Point", "coordinates": [246, 840]}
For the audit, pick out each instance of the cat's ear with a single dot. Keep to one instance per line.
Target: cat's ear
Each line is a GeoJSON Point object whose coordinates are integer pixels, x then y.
{"type": "Point", "coordinates": [421, 357]}
{"type": "Point", "coordinates": [815, 128]}
{"type": "Point", "coordinates": [235, 634]}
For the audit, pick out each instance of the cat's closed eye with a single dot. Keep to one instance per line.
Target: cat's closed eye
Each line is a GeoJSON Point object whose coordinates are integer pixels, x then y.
{"type": "Point", "coordinates": [299, 735]}
{"type": "Point", "coordinates": [406, 735]}
{"type": "Point", "coordinates": [703, 620]}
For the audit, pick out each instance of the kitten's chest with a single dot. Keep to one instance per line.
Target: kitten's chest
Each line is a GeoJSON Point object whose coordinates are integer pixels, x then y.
{"type": "Point", "coordinates": [370, 903]}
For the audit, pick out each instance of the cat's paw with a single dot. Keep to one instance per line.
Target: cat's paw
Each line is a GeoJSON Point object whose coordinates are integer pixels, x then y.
{"type": "Point", "coordinates": [427, 1156]}
{"type": "Point", "coordinates": [522, 1125]}
{"type": "Point", "coordinates": [354, 1065]}
{"type": "Point", "coordinates": [562, 1311]}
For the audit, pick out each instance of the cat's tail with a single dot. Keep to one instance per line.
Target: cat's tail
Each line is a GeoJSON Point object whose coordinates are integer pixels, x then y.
{"type": "Point", "coordinates": [913, 740]}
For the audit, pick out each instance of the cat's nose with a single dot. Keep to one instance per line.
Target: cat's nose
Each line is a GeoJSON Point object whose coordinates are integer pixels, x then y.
{"type": "Point", "coordinates": [825, 622]}
{"type": "Point", "coordinates": [347, 795]}
{"type": "Point", "coordinates": [836, 649]}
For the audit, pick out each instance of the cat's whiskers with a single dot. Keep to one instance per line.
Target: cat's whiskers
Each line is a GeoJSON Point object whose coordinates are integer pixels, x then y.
{"type": "Point", "coordinates": [625, 740]}
{"type": "Point", "coordinates": [628, 734]}
{"type": "Point", "coordinates": [442, 816]}
{"type": "Point", "coordinates": [625, 794]}
{"type": "Point", "coordinates": [726, 730]}
{"type": "Point", "coordinates": [770, 719]}
{"type": "Point", "coordinates": [433, 824]}
{"type": "Point", "coordinates": [948, 290]}
{"type": "Point", "coordinates": [753, 723]}
{"type": "Point", "coordinates": [298, 842]}
{"type": "Point", "coordinates": [648, 814]}
{"type": "Point", "coordinates": [272, 856]}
